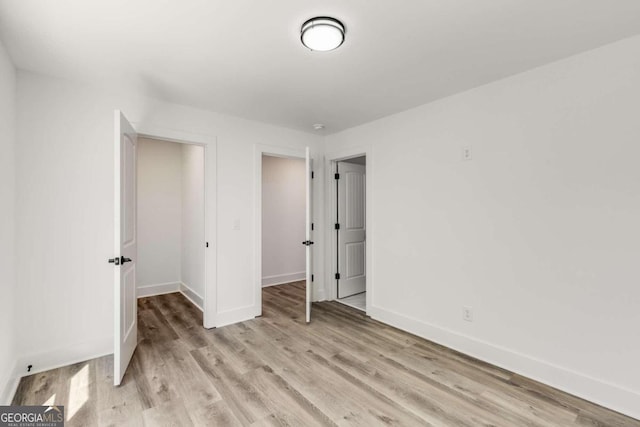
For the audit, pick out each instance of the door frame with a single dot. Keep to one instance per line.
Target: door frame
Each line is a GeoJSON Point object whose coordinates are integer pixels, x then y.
{"type": "Point", "coordinates": [331, 205]}
{"type": "Point", "coordinates": [209, 143]}
{"type": "Point", "coordinates": [259, 151]}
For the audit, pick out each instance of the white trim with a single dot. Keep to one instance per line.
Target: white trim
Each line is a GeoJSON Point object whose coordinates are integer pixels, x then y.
{"type": "Point", "coordinates": [170, 288]}
{"type": "Point", "coordinates": [259, 151]}
{"type": "Point", "coordinates": [330, 286]}
{"type": "Point", "coordinates": [63, 357]}
{"type": "Point", "coordinates": [237, 315]}
{"type": "Point", "coordinates": [8, 390]}
{"type": "Point", "coordinates": [209, 142]}
{"type": "Point", "coordinates": [195, 298]}
{"type": "Point", "coordinates": [609, 395]}
{"type": "Point", "coordinates": [280, 279]}
{"type": "Point", "coordinates": [319, 294]}
{"type": "Point", "coordinates": [157, 289]}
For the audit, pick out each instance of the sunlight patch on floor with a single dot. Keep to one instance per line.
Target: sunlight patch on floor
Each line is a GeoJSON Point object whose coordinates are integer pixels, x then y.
{"type": "Point", "coordinates": [50, 401]}
{"type": "Point", "coordinates": [78, 391]}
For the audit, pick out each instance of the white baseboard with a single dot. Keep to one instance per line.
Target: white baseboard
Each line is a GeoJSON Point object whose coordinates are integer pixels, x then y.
{"type": "Point", "coordinates": [83, 351]}
{"type": "Point", "coordinates": [280, 279]}
{"type": "Point", "coordinates": [169, 288]}
{"type": "Point", "coordinates": [234, 316]}
{"type": "Point", "coordinates": [46, 361]}
{"type": "Point", "coordinates": [192, 296]}
{"type": "Point", "coordinates": [9, 386]}
{"type": "Point", "coordinates": [158, 289]}
{"type": "Point", "coordinates": [64, 356]}
{"type": "Point", "coordinates": [609, 395]}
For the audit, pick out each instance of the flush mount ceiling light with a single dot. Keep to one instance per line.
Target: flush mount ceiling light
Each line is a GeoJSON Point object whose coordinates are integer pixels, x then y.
{"type": "Point", "coordinates": [322, 33]}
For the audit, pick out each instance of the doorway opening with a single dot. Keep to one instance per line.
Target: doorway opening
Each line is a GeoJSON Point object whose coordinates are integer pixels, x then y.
{"type": "Point", "coordinates": [284, 270]}
{"type": "Point", "coordinates": [351, 236]}
{"type": "Point", "coordinates": [126, 233]}
{"type": "Point", "coordinates": [170, 219]}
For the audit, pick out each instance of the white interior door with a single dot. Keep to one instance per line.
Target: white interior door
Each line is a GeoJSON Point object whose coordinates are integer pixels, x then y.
{"type": "Point", "coordinates": [309, 232]}
{"type": "Point", "coordinates": [351, 231]}
{"type": "Point", "coordinates": [125, 303]}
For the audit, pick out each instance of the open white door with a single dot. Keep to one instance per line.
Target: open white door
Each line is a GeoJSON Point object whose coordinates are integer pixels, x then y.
{"type": "Point", "coordinates": [351, 231]}
{"type": "Point", "coordinates": [308, 234]}
{"type": "Point", "coordinates": [125, 303]}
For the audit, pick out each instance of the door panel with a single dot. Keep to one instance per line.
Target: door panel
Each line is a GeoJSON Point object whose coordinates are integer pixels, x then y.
{"type": "Point", "coordinates": [355, 260]}
{"type": "Point", "coordinates": [352, 232]}
{"type": "Point", "coordinates": [354, 182]}
{"type": "Point", "coordinates": [125, 302]}
{"type": "Point", "coordinates": [128, 304]}
{"type": "Point", "coordinates": [128, 189]}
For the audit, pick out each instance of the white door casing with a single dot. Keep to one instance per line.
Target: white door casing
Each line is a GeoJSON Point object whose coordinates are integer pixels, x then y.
{"type": "Point", "coordinates": [309, 232]}
{"type": "Point", "coordinates": [125, 303]}
{"type": "Point", "coordinates": [352, 231]}
{"type": "Point", "coordinates": [145, 130]}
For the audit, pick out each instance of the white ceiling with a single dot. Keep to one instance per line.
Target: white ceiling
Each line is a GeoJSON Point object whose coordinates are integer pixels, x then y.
{"type": "Point", "coordinates": [245, 58]}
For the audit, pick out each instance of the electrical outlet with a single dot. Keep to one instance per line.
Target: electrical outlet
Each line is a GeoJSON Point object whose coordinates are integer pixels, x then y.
{"type": "Point", "coordinates": [467, 314]}
{"type": "Point", "coordinates": [466, 153]}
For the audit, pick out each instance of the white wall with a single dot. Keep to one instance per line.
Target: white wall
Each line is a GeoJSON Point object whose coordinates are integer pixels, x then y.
{"type": "Point", "coordinates": [283, 220]}
{"type": "Point", "coordinates": [159, 214]}
{"type": "Point", "coordinates": [8, 326]}
{"type": "Point", "coordinates": [192, 266]}
{"type": "Point", "coordinates": [65, 210]}
{"type": "Point", "coordinates": [538, 233]}
{"type": "Point", "coordinates": [170, 219]}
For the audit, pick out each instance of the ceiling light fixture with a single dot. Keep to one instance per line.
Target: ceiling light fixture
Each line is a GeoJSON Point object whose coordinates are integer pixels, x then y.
{"type": "Point", "coordinates": [322, 33]}
{"type": "Point", "coordinates": [318, 126]}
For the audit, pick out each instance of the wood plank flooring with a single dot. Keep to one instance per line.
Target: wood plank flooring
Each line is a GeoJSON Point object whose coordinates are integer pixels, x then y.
{"type": "Point", "coordinates": [342, 369]}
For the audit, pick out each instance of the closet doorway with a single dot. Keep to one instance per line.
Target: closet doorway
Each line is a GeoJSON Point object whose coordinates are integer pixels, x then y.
{"type": "Point", "coordinates": [283, 214]}
{"type": "Point", "coordinates": [170, 220]}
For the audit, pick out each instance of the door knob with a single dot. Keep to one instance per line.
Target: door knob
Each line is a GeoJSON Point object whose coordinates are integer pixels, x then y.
{"type": "Point", "coordinates": [119, 261]}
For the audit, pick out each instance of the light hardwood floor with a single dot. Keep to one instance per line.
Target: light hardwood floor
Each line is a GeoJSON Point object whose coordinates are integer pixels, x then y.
{"type": "Point", "coordinates": [342, 369]}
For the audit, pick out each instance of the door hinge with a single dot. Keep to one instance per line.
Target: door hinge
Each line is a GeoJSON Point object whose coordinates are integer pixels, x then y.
{"type": "Point", "coordinates": [312, 226]}
{"type": "Point", "coordinates": [337, 226]}
{"type": "Point", "coordinates": [312, 175]}
{"type": "Point", "coordinates": [337, 276]}
{"type": "Point", "coordinates": [337, 176]}
{"type": "Point", "coordinates": [312, 277]}
{"type": "Point", "coordinates": [206, 245]}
